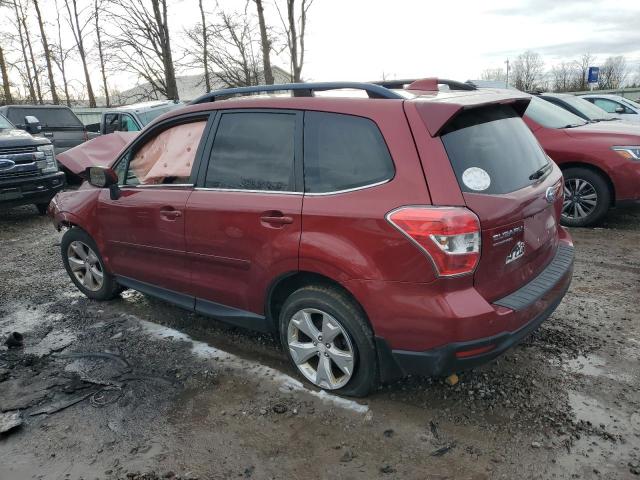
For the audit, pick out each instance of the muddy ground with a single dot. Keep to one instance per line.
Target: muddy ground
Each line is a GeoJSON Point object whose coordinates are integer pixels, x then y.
{"type": "Point", "coordinates": [135, 388]}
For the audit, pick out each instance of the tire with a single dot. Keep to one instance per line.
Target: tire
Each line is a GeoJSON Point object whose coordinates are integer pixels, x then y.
{"type": "Point", "coordinates": [582, 186]}
{"type": "Point", "coordinates": [320, 304]}
{"type": "Point", "coordinates": [42, 208]}
{"type": "Point", "coordinates": [75, 244]}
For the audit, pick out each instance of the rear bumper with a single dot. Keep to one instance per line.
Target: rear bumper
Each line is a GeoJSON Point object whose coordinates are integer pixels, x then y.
{"type": "Point", "coordinates": [23, 191]}
{"type": "Point", "coordinates": [547, 289]}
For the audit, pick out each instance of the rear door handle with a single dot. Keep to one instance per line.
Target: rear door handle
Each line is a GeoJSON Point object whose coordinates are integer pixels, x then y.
{"type": "Point", "coordinates": [170, 214]}
{"type": "Point", "coordinates": [276, 218]}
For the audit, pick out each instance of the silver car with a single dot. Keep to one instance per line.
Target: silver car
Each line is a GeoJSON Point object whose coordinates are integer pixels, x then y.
{"type": "Point", "coordinates": [616, 105]}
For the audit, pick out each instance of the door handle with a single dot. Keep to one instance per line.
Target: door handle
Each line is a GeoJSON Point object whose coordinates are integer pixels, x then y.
{"type": "Point", "coordinates": [170, 214]}
{"type": "Point", "coordinates": [275, 218]}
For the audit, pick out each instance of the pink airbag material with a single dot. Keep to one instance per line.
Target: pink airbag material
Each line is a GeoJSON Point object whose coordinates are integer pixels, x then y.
{"type": "Point", "coordinates": [168, 155]}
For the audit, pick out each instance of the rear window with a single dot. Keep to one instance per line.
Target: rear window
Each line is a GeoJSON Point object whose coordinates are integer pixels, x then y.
{"type": "Point", "coordinates": [492, 151]}
{"type": "Point", "coordinates": [552, 116]}
{"type": "Point", "coordinates": [342, 152]}
{"type": "Point", "coordinates": [48, 117]}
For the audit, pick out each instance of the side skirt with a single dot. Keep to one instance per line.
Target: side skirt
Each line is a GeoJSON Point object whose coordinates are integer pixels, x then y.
{"type": "Point", "coordinates": [224, 313]}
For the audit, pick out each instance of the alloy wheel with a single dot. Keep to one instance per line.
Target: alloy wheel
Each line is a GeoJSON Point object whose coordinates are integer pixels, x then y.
{"type": "Point", "coordinates": [85, 265]}
{"type": "Point", "coordinates": [321, 349]}
{"type": "Point", "coordinates": [580, 198]}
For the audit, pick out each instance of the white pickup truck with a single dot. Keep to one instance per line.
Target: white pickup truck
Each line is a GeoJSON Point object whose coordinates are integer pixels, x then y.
{"type": "Point", "coordinates": [132, 118]}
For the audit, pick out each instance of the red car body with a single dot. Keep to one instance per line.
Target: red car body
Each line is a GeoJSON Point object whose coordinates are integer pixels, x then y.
{"type": "Point", "coordinates": [235, 254]}
{"type": "Point", "coordinates": [589, 146]}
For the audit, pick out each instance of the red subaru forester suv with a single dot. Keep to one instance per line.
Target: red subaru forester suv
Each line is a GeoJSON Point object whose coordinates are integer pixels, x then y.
{"type": "Point", "coordinates": [410, 231]}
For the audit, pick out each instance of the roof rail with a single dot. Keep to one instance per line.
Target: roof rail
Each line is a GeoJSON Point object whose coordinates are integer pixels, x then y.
{"type": "Point", "coordinates": [452, 84]}
{"type": "Point", "coordinates": [300, 90]}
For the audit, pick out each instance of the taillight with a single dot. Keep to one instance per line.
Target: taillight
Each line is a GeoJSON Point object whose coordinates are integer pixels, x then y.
{"type": "Point", "coordinates": [450, 236]}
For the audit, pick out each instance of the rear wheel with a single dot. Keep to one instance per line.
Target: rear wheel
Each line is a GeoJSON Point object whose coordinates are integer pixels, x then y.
{"type": "Point", "coordinates": [327, 338]}
{"type": "Point", "coordinates": [85, 266]}
{"type": "Point", "coordinates": [587, 197]}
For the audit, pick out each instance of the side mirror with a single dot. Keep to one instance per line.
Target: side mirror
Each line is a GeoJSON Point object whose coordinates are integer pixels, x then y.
{"type": "Point", "coordinates": [619, 109]}
{"type": "Point", "coordinates": [103, 177]}
{"type": "Point", "coordinates": [32, 125]}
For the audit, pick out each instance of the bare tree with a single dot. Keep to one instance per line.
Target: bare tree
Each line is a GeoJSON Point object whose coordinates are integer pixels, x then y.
{"type": "Point", "coordinates": [564, 77]}
{"type": "Point", "coordinates": [25, 73]}
{"type": "Point", "coordinates": [78, 27]}
{"type": "Point", "coordinates": [613, 73]}
{"type": "Point", "coordinates": [6, 86]}
{"type": "Point", "coordinates": [205, 47]}
{"type": "Point", "coordinates": [22, 19]}
{"type": "Point", "coordinates": [494, 75]}
{"type": "Point", "coordinates": [101, 56]}
{"type": "Point", "coordinates": [47, 54]}
{"type": "Point", "coordinates": [527, 71]}
{"type": "Point", "coordinates": [295, 29]}
{"type": "Point", "coordinates": [582, 65]}
{"type": "Point", "coordinates": [60, 56]}
{"type": "Point", "coordinates": [265, 44]}
{"type": "Point", "coordinates": [142, 44]}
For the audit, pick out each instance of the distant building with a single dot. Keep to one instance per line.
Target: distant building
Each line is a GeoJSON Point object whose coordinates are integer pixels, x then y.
{"type": "Point", "coordinates": [189, 87]}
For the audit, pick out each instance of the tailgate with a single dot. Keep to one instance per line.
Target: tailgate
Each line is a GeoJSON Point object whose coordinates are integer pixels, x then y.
{"type": "Point", "coordinates": [508, 181]}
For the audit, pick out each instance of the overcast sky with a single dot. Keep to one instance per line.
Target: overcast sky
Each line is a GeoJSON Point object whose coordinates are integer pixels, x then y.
{"type": "Point", "coordinates": [364, 39]}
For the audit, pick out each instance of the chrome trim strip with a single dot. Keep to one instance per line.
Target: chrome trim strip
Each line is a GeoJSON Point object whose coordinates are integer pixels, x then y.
{"type": "Point", "coordinates": [320, 194]}
{"type": "Point", "coordinates": [348, 190]}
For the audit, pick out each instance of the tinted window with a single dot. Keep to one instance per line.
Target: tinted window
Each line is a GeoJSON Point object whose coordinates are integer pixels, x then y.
{"type": "Point", "coordinates": [607, 105]}
{"type": "Point", "coordinates": [127, 124]}
{"type": "Point", "coordinates": [492, 150]}
{"type": "Point", "coordinates": [343, 152]}
{"type": "Point", "coordinates": [586, 108]}
{"type": "Point", "coordinates": [253, 151]}
{"type": "Point", "coordinates": [551, 116]}
{"type": "Point", "coordinates": [48, 117]}
{"type": "Point", "coordinates": [166, 157]}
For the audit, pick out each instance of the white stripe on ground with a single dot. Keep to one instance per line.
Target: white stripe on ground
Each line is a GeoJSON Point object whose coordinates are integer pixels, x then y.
{"type": "Point", "coordinates": [284, 382]}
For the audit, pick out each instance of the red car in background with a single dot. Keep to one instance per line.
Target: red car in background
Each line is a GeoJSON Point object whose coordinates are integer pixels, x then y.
{"type": "Point", "coordinates": [600, 161]}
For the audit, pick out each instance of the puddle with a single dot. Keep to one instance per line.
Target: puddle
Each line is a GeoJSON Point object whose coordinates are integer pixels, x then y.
{"type": "Point", "coordinates": [283, 381]}
{"type": "Point", "coordinates": [594, 366]}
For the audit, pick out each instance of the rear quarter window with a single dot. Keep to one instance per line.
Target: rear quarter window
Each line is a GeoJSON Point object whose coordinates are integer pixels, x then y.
{"type": "Point", "coordinates": [343, 152]}
{"type": "Point", "coordinates": [492, 151]}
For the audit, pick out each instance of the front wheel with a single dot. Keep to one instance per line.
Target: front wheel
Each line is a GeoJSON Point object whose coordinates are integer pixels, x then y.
{"type": "Point", "coordinates": [85, 266]}
{"type": "Point", "coordinates": [587, 197]}
{"type": "Point", "coordinates": [328, 339]}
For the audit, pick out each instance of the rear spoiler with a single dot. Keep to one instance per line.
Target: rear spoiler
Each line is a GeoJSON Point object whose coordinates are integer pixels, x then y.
{"type": "Point", "coordinates": [436, 114]}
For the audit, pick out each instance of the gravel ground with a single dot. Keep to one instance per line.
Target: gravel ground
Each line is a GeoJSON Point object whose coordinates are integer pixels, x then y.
{"type": "Point", "coordinates": [135, 388]}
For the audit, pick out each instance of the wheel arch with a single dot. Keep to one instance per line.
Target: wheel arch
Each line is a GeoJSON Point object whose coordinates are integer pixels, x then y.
{"type": "Point", "coordinates": [595, 169]}
{"type": "Point", "coordinates": [286, 284]}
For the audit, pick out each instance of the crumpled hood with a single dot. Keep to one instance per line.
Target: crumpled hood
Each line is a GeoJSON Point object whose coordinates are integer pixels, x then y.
{"type": "Point", "coordinates": [100, 151]}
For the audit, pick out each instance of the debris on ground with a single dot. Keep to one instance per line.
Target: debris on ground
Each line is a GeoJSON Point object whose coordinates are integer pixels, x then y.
{"type": "Point", "coordinates": [452, 379]}
{"type": "Point", "coordinates": [14, 340]}
{"type": "Point", "coordinates": [9, 421]}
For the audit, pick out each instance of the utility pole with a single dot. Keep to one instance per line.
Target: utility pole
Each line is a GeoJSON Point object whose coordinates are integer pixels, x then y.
{"type": "Point", "coordinates": [507, 80]}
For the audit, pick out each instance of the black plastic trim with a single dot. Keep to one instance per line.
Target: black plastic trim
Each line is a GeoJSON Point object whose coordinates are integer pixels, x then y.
{"type": "Point", "coordinates": [224, 313]}
{"type": "Point", "coordinates": [527, 295]}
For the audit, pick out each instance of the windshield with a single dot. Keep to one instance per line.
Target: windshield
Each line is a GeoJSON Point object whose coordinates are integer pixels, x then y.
{"type": "Point", "coordinates": [631, 103]}
{"type": "Point", "coordinates": [551, 116]}
{"type": "Point", "coordinates": [149, 115]}
{"type": "Point", "coordinates": [5, 124]}
{"type": "Point", "coordinates": [587, 108]}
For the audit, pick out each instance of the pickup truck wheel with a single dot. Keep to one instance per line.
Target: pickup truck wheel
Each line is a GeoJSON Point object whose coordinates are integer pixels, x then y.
{"type": "Point", "coordinates": [85, 267]}
{"type": "Point", "coordinates": [42, 208]}
{"type": "Point", "coordinates": [327, 338]}
{"type": "Point", "coordinates": [587, 197]}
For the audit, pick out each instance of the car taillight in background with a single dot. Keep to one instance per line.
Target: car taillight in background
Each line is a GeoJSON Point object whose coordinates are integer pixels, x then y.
{"type": "Point", "coordinates": [450, 236]}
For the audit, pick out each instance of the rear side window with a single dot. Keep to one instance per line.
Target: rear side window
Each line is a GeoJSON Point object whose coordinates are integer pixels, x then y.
{"type": "Point", "coordinates": [342, 152]}
{"type": "Point", "coordinates": [253, 151]}
{"type": "Point", "coordinates": [48, 117]}
{"type": "Point", "coordinates": [492, 151]}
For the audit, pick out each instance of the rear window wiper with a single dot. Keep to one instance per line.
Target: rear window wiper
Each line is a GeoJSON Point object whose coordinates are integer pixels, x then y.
{"type": "Point", "coordinates": [573, 125]}
{"type": "Point", "coordinates": [540, 172]}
